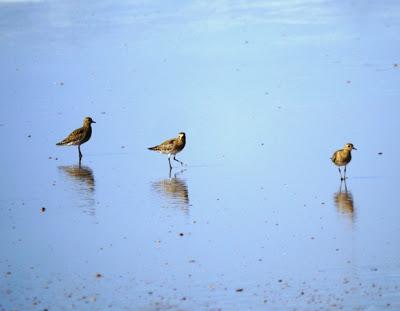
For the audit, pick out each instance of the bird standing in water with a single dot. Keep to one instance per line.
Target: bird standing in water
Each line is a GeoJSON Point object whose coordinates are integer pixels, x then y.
{"type": "Point", "coordinates": [171, 147]}
{"type": "Point", "coordinates": [79, 136]}
{"type": "Point", "coordinates": [342, 157]}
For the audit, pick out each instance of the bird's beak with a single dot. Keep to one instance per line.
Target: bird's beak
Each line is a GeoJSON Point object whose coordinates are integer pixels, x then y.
{"type": "Point", "coordinates": [354, 148]}
{"type": "Point", "coordinates": [93, 121]}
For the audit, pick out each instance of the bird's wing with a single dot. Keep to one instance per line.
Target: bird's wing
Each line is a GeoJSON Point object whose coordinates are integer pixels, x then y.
{"type": "Point", "coordinates": [333, 158]}
{"type": "Point", "coordinates": [165, 146]}
{"type": "Point", "coordinates": [73, 137]}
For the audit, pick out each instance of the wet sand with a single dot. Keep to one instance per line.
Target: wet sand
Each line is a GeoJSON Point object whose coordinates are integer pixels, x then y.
{"type": "Point", "coordinates": [258, 219]}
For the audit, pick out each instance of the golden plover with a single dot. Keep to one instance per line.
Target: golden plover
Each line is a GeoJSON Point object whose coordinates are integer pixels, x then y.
{"type": "Point", "coordinates": [171, 147]}
{"type": "Point", "coordinates": [79, 136]}
{"type": "Point", "coordinates": [342, 157]}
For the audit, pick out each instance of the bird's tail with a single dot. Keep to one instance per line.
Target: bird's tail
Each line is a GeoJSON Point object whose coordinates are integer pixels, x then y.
{"type": "Point", "coordinates": [62, 143]}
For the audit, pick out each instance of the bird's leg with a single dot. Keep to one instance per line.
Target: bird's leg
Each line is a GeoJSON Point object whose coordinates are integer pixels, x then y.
{"type": "Point", "coordinates": [340, 172]}
{"type": "Point", "coordinates": [178, 161]}
{"type": "Point", "coordinates": [169, 161]}
{"type": "Point", "coordinates": [344, 177]}
{"type": "Point", "coordinates": [80, 155]}
{"type": "Point", "coordinates": [170, 170]}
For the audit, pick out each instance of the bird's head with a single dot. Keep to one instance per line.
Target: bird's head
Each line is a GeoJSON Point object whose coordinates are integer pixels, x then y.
{"type": "Point", "coordinates": [181, 135]}
{"type": "Point", "coordinates": [88, 121]}
{"type": "Point", "coordinates": [350, 146]}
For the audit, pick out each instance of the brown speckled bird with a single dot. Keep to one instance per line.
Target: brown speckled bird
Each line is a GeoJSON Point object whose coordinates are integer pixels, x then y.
{"type": "Point", "coordinates": [342, 157]}
{"type": "Point", "coordinates": [79, 136]}
{"type": "Point", "coordinates": [171, 147]}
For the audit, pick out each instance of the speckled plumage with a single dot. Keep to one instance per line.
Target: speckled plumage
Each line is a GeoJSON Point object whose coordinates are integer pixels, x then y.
{"type": "Point", "coordinates": [79, 136]}
{"type": "Point", "coordinates": [342, 157]}
{"type": "Point", "coordinates": [171, 147]}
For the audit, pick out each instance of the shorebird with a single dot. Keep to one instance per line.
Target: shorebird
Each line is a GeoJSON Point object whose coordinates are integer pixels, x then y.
{"type": "Point", "coordinates": [171, 147]}
{"type": "Point", "coordinates": [79, 136]}
{"type": "Point", "coordinates": [342, 157]}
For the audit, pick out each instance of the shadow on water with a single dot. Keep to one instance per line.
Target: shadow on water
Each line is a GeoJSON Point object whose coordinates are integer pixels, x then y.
{"type": "Point", "coordinates": [83, 185]}
{"type": "Point", "coordinates": [344, 201]}
{"type": "Point", "coordinates": [174, 190]}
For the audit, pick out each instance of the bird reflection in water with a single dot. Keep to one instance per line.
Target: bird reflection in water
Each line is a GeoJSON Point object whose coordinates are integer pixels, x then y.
{"type": "Point", "coordinates": [83, 185]}
{"type": "Point", "coordinates": [175, 191]}
{"type": "Point", "coordinates": [344, 201]}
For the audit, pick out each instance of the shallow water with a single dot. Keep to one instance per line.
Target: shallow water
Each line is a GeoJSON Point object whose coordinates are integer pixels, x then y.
{"type": "Point", "coordinates": [258, 218]}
